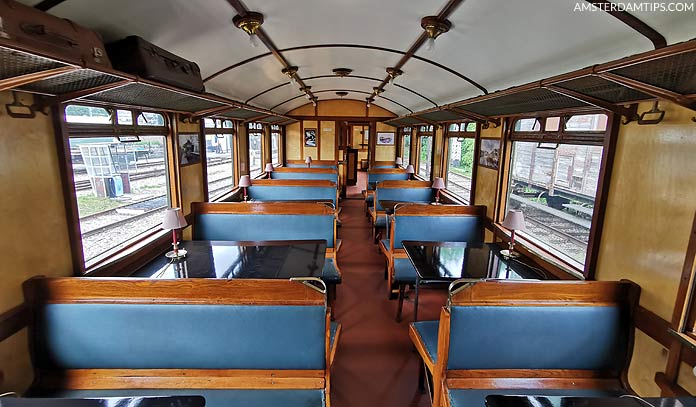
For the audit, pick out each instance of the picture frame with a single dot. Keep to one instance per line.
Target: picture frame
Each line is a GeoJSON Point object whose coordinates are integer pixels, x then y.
{"type": "Point", "coordinates": [385, 138]}
{"type": "Point", "coordinates": [310, 137]}
{"type": "Point", "coordinates": [489, 153]}
{"type": "Point", "coordinates": [189, 149]}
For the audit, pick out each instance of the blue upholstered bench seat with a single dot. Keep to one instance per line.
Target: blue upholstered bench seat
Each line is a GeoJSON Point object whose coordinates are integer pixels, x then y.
{"type": "Point", "coordinates": [370, 198]}
{"type": "Point", "coordinates": [427, 331]}
{"type": "Point", "coordinates": [213, 398]}
{"type": "Point", "coordinates": [332, 333]}
{"type": "Point", "coordinates": [404, 272]}
{"type": "Point", "coordinates": [385, 244]}
{"type": "Point", "coordinates": [381, 220]}
{"type": "Point", "coordinates": [329, 273]}
{"type": "Point", "coordinates": [476, 398]}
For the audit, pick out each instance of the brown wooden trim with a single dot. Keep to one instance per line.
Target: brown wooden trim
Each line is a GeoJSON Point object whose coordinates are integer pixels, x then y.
{"type": "Point", "coordinates": [440, 210]}
{"type": "Point", "coordinates": [653, 90]}
{"type": "Point", "coordinates": [387, 171]}
{"type": "Point", "coordinates": [669, 388]}
{"type": "Point", "coordinates": [54, 100]}
{"type": "Point", "coordinates": [390, 183]}
{"type": "Point", "coordinates": [535, 293]}
{"type": "Point", "coordinates": [307, 170]}
{"type": "Point", "coordinates": [344, 118]}
{"type": "Point", "coordinates": [532, 383]}
{"type": "Point", "coordinates": [21, 80]}
{"type": "Point", "coordinates": [530, 373]}
{"type": "Point", "coordinates": [420, 348]}
{"type": "Point", "coordinates": [179, 378]}
{"type": "Point", "coordinates": [260, 208]}
{"type": "Point", "coordinates": [591, 100]}
{"type": "Point", "coordinates": [634, 22]}
{"type": "Point", "coordinates": [602, 195]}
{"type": "Point", "coordinates": [293, 183]}
{"type": "Point", "coordinates": [180, 291]}
{"type": "Point", "coordinates": [14, 320]}
{"type": "Point", "coordinates": [133, 257]}
{"type": "Point", "coordinates": [314, 162]}
{"type": "Point", "coordinates": [46, 5]}
{"type": "Point", "coordinates": [443, 347]}
{"type": "Point", "coordinates": [62, 140]}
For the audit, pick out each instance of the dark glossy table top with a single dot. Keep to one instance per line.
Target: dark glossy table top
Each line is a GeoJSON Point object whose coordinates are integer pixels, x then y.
{"type": "Point", "coordinates": [172, 401]}
{"type": "Point", "coordinates": [445, 261]}
{"type": "Point", "coordinates": [222, 259]}
{"type": "Point", "coordinates": [559, 401]}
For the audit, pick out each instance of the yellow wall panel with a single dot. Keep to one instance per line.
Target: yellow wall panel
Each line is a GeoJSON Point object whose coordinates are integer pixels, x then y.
{"type": "Point", "coordinates": [648, 356]}
{"type": "Point", "coordinates": [686, 378]}
{"type": "Point", "coordinates": [304, 110]}
{"type": "Point", "coordinates": [328, 140]}
{"type": "Point", "coordinates": [34, 238]}
{"type": "Point", "coordinates": [293, 142]}
{"type": "Point", "coordinates": [651, 204]}
{"type": "Point", "coordinates": [385, 152]}
{"type": "Point", "coordinates": [487, 178]}
{"type": "Point", "coordinates": [340, 107]}
{"type": "Point", "coordinates": [376, 111]}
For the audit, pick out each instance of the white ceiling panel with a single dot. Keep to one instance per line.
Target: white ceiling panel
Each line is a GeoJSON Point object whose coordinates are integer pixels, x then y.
{"type": "Point", "coordinates": [384, 23]}
{"type": "Point", "coordinates": [675, 26]}
{"type": "Point", "coordinates": [198, 31]}
{"type": "Point", "coordinates": [501, 43]}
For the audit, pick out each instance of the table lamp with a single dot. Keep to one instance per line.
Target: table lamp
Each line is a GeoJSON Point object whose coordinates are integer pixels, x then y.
{"type": "Point", "coordinates": [174, 220]}
{"type": "Point", "coordinates": [269, 169]}
{"type": "Point", "coordinates": [410, 171]}
{"type": "Point", "coordinates": [244, 182]}
{"type": "Point", "coordinates": [514, 220]}
{"type": "Point", "coordinates": [438, 184]}
{"type": "Point", "coordinates": [398, 161]}
{"type": "Point", "coordinates": [308, 160]}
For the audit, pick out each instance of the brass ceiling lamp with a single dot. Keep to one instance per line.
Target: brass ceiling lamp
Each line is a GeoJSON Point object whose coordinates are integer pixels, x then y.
{"type": "Point", "coordinates": [249, 23]}
{"type": "Point", "coordinates": [393, 73]}
{"type": "Point", "coordinates": [342, 72]}
{"type": "Point", "coordinates": [377, 91]}
{"type": "Point", "coordinates": [306, 89]}
{"type": "Point", "coordinates": [368, 102]}
{"type": "Point", "coordinates": [434, 26]}
{"type": "Point", "coordinates": [290, 72]}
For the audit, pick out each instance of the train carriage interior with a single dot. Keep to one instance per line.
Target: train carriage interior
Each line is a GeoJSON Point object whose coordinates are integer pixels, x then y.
{"type": "Point", "coordinates": [350, 203]}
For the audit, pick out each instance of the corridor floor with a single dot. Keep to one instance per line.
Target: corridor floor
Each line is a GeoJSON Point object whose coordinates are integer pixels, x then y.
{"type": "Point", "coordinates": [376, 364]}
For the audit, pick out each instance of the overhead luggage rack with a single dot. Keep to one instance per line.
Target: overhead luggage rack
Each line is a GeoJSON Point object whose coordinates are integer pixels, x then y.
{"type": "Point", "coordinates": [28, 72]}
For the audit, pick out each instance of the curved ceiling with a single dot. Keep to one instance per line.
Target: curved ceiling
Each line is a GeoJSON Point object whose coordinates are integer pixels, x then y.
{"type": "Point", "coordinates": [495, 43]}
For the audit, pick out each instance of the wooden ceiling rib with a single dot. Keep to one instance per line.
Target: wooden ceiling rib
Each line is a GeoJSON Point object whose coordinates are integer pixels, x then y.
{"type": "Point", "coordinates": [632, 21]}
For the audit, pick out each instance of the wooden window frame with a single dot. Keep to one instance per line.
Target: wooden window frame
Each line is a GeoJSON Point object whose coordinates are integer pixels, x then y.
{"type": "Point", "coordinates": [204, 131]}
{"type": "Point", "coordinates": [263, 131]}
{"type": "Point", "coordinates": [476, 135]}
{"type": "Point", "coordinates": [139, 247]}
{"type": "Point", "coordinates": [607, 139]}
{"type": "Point", "coordinates": [419, 134]}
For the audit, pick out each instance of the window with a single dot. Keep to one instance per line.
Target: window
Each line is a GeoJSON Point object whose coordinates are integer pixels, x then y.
{"type": "Point", "coordinates": [219, 157]}
{"type": "Point", "coordinates": [121, 187]}
{"type": "Point", "coordinates": [425, 156]}
{"type": "Point", "coordinates": [275, 144]}
{"type": "Point", "coordinates": [425, 151]}
{"type": "Point", "coordinates": [255, 150]}
{"type": "Point", "coordinates": [460, 158]}
{"type": "Point", "coordinates": [406, 146]}
{"type": "Point", "coordinates": [553, 180]}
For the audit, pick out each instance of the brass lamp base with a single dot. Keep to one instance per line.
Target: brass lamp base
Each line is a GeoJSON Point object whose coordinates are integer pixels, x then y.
{"type": "Point", "coordinates": [509, 253]}
{"type": "Point", "coordinates": [176, 254]}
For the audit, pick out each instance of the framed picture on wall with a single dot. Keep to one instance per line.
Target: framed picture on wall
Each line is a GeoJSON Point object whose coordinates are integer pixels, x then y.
{"type": "Point", "coordinates": [385, 139]}
{"type": "Point", "coordinates": [310, 137]}
{"type": "Point", "coordinates": [189, 149]}
{"type": "Point", "coordinates": [489, 156]}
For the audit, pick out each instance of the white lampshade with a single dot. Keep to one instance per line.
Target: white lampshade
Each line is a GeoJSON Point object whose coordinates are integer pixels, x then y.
{"type": "Point", "coordinates": [269, 167]}
{"type": "Point", "coordinates": [308, 160]}
{"type": "Point", "coordinates": [410, 169]}
{"type": "Point", "coordinates": [438, 183]}
{"type": "Point", "coordinates": [244, 181]}
{"type": "Point", "coordinates": [173, 219]}
{"type": "Point", "coordinates": [514, 220]}
{"type": "Point", "coordinates": [398, 161]}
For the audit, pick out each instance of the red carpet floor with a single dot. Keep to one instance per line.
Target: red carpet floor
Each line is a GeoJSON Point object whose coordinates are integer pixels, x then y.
{"type": "Point", "coordinates": [355, 191]}
{"type": "Point", "coordinates": [376, 364]}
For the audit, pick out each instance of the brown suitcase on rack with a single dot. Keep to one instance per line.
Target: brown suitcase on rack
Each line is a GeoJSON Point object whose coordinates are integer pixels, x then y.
{"type": "Point", "coordinates": [38, 32]}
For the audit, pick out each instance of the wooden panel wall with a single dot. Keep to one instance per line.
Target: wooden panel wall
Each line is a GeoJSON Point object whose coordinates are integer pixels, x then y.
{"type": "Point", "coordinates": [487, 181]}
{"type": "Point", "coordinates": [651, 203]}
{"type": "Point", "coordinates": [293, 142]}
{"type": "Point", "coordinates": [34, 238]}
{"type": "Point", "coordinates": [383, 152]}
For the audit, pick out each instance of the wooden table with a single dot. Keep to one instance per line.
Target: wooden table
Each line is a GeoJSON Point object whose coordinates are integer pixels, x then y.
{"type": "Point", "coordinates": [444, 262]}
{"type": "Point", "coordinates": [562, 401]}
{"type": "Point", "coordinates": [163, 401]}
{"type": "Point", "coordinates": [281, 259]}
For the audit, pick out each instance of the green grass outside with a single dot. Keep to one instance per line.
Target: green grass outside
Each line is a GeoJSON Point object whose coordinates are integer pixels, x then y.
{"type": "Point", "coordinates": [89, 205]}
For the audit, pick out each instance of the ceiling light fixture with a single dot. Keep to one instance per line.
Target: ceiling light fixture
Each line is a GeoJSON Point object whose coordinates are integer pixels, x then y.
{"type": "Point", "coordinates": [368, 102]}
{"type": "Point", "coordinates": [314, 101]}
{"type": "Point", "coordinates": [434, 26]}
{"type": "Point", "coordinates": [393, 73]}
{"type": "Point", "coordinates": [342, 72]}
{"type": "Point", "coordinates": [342, 93]}
{"type": "Point", "coordinates": [377, 90]}
{"type": "Point", "coordinates": [290, 72]}
{"type": "Point", "coordinates": [249, 23]}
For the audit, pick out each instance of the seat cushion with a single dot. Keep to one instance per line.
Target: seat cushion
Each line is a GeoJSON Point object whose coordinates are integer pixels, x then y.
{"type": "Point", "coordinates": [329, 273]}
{"type": "Point", "coordinates": [370, 198]}
{"type": "Point", "coordinates": [381, 221]}
{"type": "Point", "coordinates": [427, 331]}
{"type": "Point", "coordinates": [477, 398]}
{"type": "Point", "coordinates": [404, 272]}
{"type": "Point", "coordinates": [213, 398]}
{"type": "Point", "coordinates": [385, 244]}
